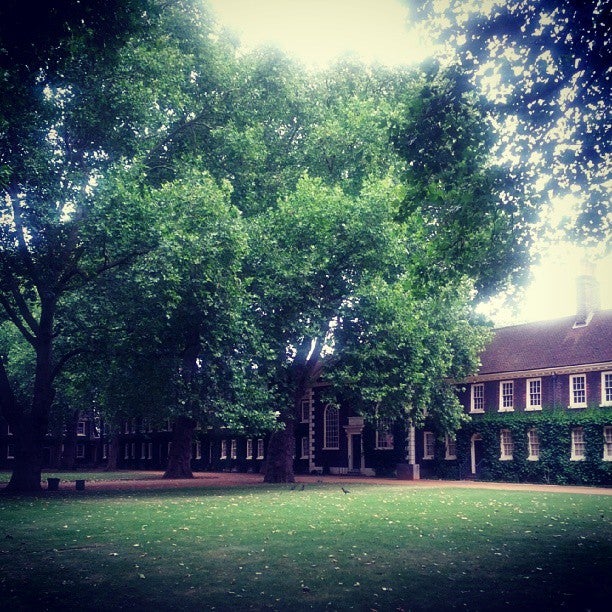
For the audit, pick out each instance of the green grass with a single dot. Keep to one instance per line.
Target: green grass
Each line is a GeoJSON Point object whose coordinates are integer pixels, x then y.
{"type": "Point", "coordinates": [267, 547]}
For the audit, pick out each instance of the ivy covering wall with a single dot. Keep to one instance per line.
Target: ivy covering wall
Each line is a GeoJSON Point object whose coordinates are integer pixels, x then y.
{"type": "Point", "coordinates": [554, 465]}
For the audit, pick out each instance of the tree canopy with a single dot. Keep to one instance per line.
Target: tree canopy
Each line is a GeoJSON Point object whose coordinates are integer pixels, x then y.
{"type": "Point", "coordinates": [214, 229]}
{"type": "Point", "coordinates": [544, 66]}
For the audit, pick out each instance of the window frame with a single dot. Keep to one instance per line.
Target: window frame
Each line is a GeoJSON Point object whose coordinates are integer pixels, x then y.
{"type": "Point", "coordinates": [450, 447]}
{"type": "Point", "coordinates": [533, 445]}
{"type": "Point", "coordinates": [260, 448]}
{"type": "Point", "coordinates": [572, 391]}
{"type": "Point", "coordinates": [223, 451]}
{"type": "Point", "coordinates": [429, 445]}
{"type": "Point", "coordinates": [473, 398]}
{"type": "Point", "coordinates": [81, 428]}
{"type": "Point", "coordinates": [305, 410]}
{"type": "Point", "coordinates": [503, 396]}
{"type": "Point", "coordinates": [604, 400]}
{"type": "Point", "coordinates": [607, 443]}
{"type": "Point", "coordinates": [10, 450]}
{"type": "Point", "coordinates": [528, 394]}
{"type": "Point", "coordinates": [305, 447]}
{"type": "Point", "coordinates": [79, 451]}
{"type": "Point", "coordinates": [506, 445]}
{"type": "Point", "coordinates": [233, 448]}
{"type": "Point", "coordinates": [331, 429]}
{"type": "Point", "coordinates": [384, 434]}
{"type": "Point", "coordinates": [249, 448]}
{"type": "Point", "coordinates": [578, 450]}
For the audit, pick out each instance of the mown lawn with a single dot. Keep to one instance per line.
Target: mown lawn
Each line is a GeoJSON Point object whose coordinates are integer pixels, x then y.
{"type": "Point", "coordinates": [269, 547]}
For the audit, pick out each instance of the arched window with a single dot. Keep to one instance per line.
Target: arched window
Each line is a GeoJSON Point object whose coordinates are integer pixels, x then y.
{"type": "Point", "coordinates": [332, 427]}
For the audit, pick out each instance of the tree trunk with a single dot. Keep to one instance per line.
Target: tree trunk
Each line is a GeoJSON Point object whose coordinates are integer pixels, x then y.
{"type": "Point", "coordinates": [112, 458]}
{"type": "Point", "coordinates": [179, 457]}
{"type": "Point", "coordinates": [32, 428]}
{"type": "Point", "coordinates": [279, 460]}
{"type": "Point", "coordinates": [28, 459]}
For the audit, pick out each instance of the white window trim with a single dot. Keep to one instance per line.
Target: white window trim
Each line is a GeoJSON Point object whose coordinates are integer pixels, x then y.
{"type": "Point", "coordinates": [574, 456]}
{"type": "Point", "coordinates": [150, 450]}
{"type": "Point", "coordinates": [603, 390]}
{"type": "Point", "coordinates": [249, 448]}
{"type": "Point", "coordinates": [531, 456]}
{"type": "Point", "coordinates": [233, 449]}
{"type": "Point", "coordinates": [305, 448]}
{"type": "Point", "coordinates": [10, 451]}
{"type": "Point", "coordinates": [384, 436]}
{"type": "Point", "coordinates": [447, 443]}
{"type": "Point", "coordinates": [472, 409]}
{"type": "Point", "coordinates": [260, 448]}
{"type": "Point", "coordinates": [80, 451]}
{"type": "Point", "coordinates": [607, 456]}
{"type": "Point", "coordinates": [427, 437]}
{"type": "Point", "coordinates": [503, 456]}
{"type": "Point", "coordinates": [325, 428]}
{"type": "Point", "coordinates": [223, 454]}
{"type": "Point", "coordinates": [503, 408]}
{"type": "Point", "coordinates": [528, 405]}
{"type": "Point", "coordinates": [572, 404]}
{"type": "Point", "coordinates": [80, 429]}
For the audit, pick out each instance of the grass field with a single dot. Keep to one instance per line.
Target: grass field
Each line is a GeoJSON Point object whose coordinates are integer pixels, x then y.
{"type": "Point", "coordinates": [272, 548]}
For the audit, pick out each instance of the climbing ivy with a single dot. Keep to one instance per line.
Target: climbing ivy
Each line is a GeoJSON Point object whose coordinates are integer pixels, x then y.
{"type": "Point", "coordinates": [554, 465]}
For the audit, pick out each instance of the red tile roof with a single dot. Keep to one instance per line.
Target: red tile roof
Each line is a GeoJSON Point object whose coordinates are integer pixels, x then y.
{"type": "Point", "coordinates": [549, 344]}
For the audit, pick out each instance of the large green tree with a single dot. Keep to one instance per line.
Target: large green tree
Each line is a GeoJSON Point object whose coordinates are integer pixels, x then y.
{"type": "Point", "coordinates": [544, 66]}
{"type": "Point", "coordinates": [354, 252]}
{"type": "Point", "coordinates": [94, 95]}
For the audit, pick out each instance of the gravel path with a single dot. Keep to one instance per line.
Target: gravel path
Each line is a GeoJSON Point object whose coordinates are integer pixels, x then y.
{"type": "Point", "coordinates": [224, 479]}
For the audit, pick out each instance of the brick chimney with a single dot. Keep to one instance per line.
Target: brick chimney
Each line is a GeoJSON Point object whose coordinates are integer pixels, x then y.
{"type": "Point", "coordinates": [587, 294]}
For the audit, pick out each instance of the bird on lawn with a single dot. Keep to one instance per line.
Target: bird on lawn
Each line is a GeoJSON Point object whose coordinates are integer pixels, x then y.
{"type": "Point", "coordinates": [345, 490]}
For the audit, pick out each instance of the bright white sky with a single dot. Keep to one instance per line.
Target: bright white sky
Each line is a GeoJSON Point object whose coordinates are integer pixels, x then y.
{"type": "Point", "coordinates": [318, 31]}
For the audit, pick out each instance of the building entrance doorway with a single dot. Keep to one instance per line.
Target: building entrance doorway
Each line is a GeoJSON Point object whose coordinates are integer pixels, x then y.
{"type": "Point", "coordinates": [355, 454]}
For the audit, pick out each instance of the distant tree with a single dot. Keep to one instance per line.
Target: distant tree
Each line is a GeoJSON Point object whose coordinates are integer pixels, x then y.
{"type": "Point", "coordinates": [544, 66]}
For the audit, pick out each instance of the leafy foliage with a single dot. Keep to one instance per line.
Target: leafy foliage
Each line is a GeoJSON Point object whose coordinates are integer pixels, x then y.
{"type": "Point", "coordinates": [555, 465]}
{"type": "Point", "coordinates": [544, 66]}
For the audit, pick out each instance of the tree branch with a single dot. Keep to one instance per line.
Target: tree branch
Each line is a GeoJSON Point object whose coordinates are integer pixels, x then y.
{"type": "Point", "coordinates": [65, 359]}
{"type": "Point", "coordinates": [16, 320]}
{"type": "Point", "coordinates": [23, 246]}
